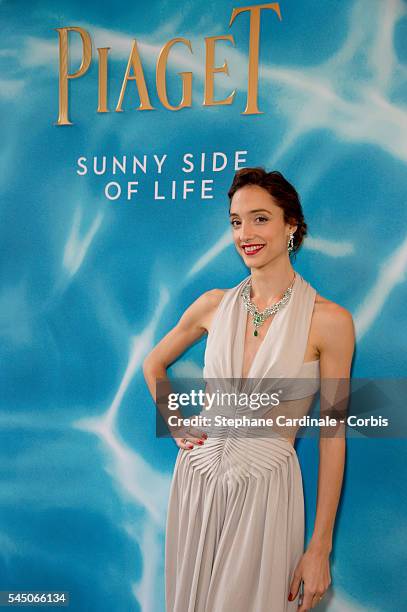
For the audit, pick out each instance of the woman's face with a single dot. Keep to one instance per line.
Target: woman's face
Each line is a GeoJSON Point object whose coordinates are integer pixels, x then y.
{"type": "Point", "coordinates": [259, 231]}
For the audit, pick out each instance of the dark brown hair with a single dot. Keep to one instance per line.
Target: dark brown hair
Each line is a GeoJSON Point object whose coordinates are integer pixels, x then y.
{"type": "Point", "coordinates": [282, 192]}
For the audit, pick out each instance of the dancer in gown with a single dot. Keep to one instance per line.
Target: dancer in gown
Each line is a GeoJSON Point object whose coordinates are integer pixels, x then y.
{"type": "Point", "coordinates": [235, 521]}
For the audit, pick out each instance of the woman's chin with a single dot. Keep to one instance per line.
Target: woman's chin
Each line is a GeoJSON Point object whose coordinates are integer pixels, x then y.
{"type": "Point", "coordinates": [254, 262]}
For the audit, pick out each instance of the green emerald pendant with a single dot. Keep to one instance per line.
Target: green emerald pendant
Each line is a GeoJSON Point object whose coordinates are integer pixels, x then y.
{"type": "Point", "coordinates": [255, 333]}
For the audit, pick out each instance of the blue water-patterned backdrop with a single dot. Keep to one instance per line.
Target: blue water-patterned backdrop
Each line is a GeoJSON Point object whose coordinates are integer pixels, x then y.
{"type": "Point", "coordinates": [89, 284]}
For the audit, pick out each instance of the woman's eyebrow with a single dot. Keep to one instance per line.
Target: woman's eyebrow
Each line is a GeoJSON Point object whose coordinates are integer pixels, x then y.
{"type": "Point", "coordinates": [256, 210]}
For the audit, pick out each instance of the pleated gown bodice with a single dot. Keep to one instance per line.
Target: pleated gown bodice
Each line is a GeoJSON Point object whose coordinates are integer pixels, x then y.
{"type": "Point", "coordinates": [281, 352]}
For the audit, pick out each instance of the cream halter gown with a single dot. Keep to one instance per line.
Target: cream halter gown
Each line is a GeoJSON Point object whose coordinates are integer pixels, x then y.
{"type": "Point", "coordinates": [235, 521]}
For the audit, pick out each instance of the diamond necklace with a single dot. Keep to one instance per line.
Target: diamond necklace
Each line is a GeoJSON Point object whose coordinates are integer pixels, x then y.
{"type": "Point", "coordinates": [260, 317]}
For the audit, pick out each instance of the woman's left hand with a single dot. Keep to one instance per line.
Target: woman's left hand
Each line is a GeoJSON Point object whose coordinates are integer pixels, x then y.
{"type": "Point", "coordinates": [313, 570]}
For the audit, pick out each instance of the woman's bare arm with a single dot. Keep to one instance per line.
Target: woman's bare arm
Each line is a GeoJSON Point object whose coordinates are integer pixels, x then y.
{"type": "Point", "coordinates": [336, 352]}
{"type": "Point", "coordinates": [192, 325]}
{"type": "Point", "coordinates": [336, 346]}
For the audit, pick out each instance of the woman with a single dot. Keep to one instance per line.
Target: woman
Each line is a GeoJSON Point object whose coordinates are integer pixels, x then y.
{"type": "Point", "coordinates": [235, 524]}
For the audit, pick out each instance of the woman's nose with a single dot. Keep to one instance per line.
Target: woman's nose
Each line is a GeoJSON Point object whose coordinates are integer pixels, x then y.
{"type": "Point", "coordinates": [245, 232]}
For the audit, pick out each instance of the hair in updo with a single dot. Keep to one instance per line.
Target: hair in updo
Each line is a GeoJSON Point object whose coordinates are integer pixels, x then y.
{"type": "Point", "coordinates": [282, 192]}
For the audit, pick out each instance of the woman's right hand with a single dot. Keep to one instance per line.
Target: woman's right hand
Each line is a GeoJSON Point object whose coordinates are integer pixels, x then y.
{"type": "Point", "coordinates": [187, 438]}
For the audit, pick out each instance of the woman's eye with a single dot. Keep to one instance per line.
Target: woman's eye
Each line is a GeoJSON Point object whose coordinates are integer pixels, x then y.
{"type": "Point", "coordinates": [261, 219]}
{"type": "Point", "coordinates": [233, 223]}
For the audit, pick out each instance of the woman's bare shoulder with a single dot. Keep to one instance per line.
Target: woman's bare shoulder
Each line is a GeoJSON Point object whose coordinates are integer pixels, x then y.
{"type": "Point", "coordinates": [334, 336]}
{"type": "Point", "coordinates": [329, 309]}
{"type": "Point", "coordinates": [332, 319]}
{"type": "Point", "coordinates": [210, 301]}
{"type": "Point", "coordinates": [214, 296]}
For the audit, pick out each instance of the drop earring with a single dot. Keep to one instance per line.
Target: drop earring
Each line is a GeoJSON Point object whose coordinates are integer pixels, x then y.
{"type": "Point", "coordinates": [290, 245]}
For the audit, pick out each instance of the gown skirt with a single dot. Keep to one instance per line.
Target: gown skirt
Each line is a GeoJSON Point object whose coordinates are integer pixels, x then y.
{"type": "Point", "coordinates": [235, 526]}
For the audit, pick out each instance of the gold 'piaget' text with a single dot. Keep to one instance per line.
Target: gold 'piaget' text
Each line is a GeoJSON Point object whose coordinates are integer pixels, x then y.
{"type": "Point", "coordinates": [134, 64]}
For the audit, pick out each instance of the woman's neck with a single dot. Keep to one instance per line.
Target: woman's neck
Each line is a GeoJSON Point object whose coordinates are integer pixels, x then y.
{"type": "Point", "coordinates": [269, 285]}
